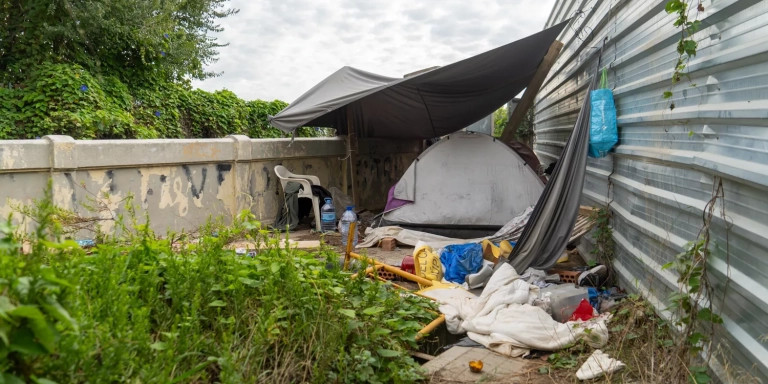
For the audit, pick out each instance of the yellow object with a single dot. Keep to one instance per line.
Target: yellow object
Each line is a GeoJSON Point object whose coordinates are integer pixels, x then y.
{"type": "Point", "coordinates": [492, 252]}
{"type": "Point", "coordinates": [427, 264]}
{"type": "Point", "coordinates": [563, 258]}
{"type": "Point", "coordinates": [476, 366]}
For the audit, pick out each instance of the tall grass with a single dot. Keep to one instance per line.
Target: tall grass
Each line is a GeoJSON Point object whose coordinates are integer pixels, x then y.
{"type": "Point", "coordinates": [146, 309]}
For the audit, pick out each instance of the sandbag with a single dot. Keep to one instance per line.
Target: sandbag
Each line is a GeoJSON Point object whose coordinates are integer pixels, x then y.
{"type": "Point", "coordinates": [427, 263]}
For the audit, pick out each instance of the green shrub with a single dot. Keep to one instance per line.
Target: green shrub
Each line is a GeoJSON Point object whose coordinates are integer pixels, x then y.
{"type": "Point", "coordinates": [153, 310]}
{"type": "Point", "coordinates": [65, 99]}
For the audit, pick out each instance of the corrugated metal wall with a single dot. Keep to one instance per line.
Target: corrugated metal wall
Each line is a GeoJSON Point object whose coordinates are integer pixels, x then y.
{"type": "Point", "coordinates": [662, 174]}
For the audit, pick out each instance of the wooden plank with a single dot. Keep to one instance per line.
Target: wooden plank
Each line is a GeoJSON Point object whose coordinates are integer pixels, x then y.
{"type": "Point", "coordinates": [526, 102]}
{"type": "Point", "coordinates": [422, 355]}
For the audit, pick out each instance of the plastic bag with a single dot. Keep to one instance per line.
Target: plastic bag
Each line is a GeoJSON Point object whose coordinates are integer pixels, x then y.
{"type": "Point", "coordinates": [603, 133]}
{"type": "Point", "coordinates": [461, 260]}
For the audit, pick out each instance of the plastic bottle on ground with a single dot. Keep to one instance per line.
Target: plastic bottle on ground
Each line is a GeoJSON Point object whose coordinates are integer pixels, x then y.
{"type": "Point", "coordinates": [347, 218]}
{"type": "Point", "coordinates": [327, 216]}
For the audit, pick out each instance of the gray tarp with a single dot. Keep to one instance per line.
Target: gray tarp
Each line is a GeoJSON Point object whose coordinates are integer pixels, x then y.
{"type": "Point", "coordinates": [428, 105]}
{"type": "Point", "coordinates": [548, 230]}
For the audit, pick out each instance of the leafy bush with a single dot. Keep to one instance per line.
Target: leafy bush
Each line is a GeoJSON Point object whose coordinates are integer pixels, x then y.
{"type": "Point", "coordinates": [66, 99]}
{"type": "Point", "coordinates": [146, 309]}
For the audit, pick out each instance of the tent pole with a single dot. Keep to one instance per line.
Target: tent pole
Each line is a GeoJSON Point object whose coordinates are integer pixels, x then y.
{"type": "Point", "coordinates": [351, 154]}
{"type": "Point", "coordinates": [526, 102]}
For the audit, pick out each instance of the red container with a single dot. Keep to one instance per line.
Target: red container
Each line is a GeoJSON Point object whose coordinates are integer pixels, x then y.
{"type": "Point", "coordinates": [407, 264]}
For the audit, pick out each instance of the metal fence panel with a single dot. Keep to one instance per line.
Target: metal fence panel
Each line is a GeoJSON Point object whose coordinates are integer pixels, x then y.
{"type": "Point", "coordinates": [673, 151]}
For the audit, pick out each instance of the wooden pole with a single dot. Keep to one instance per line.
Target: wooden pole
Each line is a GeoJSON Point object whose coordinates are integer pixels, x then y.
{"type": "Point", "coordinates": [526, 102]}
{"type": "Point", "coordinates": [352, 154]}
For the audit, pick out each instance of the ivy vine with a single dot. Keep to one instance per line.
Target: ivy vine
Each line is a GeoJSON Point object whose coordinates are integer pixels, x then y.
{"type": "Point", "coordinates": [686, 46]}
{"type": "Point", "coordinates": [692, 303]}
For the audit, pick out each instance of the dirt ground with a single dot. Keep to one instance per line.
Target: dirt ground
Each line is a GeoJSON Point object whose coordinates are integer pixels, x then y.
{"type": "Point", "coordinates": [304, 232]}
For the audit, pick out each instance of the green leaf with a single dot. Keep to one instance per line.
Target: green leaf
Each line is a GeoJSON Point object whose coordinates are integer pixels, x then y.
{"type": "Point", "coordinates": [348, 313]}
{"type": "Point", "coordinates": [27, 311]}
{"type": "Point", "coordinates": [9, 378]}
{"type": "Point", "coordinates": [23, 340]}
{"type": "Point", "coordinates": [699, 375]}
{"type": "Point", "coordinates": [668, 265]}
{"type": "Point", "coordinates": [158, 346]}
{"type": "Point", "coordinates": [217, 303]}
{"type": "Point", "coordinates": [274, 267]}
{"type": "Point", "coordinates": [667, 95]}
{"type": "Point", "coordinates": [59, 313]}
{"type": "Point", "coordinates": [695, 338]}
{"type": "Point", "coordinates": [689, 47]}
{"type": "Point", "coordinates": [387, 352]}
{"type": "Point", "coordinates": [673, 6]}
{"type": "Point", "coordinates": [693, 26]}
{"type": "Point", "coordinates": [42, 380]}
{"type": "Point", "coordinates": [374, 310]}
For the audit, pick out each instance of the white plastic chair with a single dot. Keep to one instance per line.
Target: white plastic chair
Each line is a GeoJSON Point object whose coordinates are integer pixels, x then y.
{"type": "Point", "coordinates": [306, 181]}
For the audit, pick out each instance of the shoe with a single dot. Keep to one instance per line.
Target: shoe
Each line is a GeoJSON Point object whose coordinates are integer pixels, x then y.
{"type": "Point", "coordinates": [594, 277]}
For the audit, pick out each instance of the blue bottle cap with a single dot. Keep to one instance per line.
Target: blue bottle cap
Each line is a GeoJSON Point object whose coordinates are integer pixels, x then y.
{"type": "Point", "coordinates": [349, 207]}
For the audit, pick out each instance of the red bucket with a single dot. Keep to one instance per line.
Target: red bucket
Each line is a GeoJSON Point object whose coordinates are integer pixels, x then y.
{"type": "Point", "coordinates": [407, 264]}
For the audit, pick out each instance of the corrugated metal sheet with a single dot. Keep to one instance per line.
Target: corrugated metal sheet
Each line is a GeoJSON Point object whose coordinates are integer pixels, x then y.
{"type": "Point", "coordinates": [662, 174]}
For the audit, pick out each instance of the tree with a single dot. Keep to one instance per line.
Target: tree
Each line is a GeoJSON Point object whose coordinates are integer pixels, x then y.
{"type": "Point", "coordinates": [137, 41]}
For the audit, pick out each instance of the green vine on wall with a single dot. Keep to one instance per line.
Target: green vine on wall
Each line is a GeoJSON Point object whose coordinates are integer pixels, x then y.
{"type": "Point", "coordinates": [603, 236]}
{"type": "Point", "coordinates": [686, 46]}
{"type": "Point", "coordinates": [692, 303]}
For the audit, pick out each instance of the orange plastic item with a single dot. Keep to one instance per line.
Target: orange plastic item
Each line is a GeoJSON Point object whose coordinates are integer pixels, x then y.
{"type": "Point", "coordinates": [476, 366]}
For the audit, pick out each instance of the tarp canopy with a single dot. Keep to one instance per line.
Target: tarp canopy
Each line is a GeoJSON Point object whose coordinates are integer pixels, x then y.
{"type": "Point", "coordinates": [424, 106]}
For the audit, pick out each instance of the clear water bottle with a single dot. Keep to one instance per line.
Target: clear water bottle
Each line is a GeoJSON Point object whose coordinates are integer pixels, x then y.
{"type": "Point", "coordinates": [347, 218]}
{"type": "Point", "coordinates": [328, 216]}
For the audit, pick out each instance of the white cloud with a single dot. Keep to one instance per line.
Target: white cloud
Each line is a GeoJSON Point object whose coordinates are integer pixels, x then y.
{"type": "Point", "coordinates": [278, 49]}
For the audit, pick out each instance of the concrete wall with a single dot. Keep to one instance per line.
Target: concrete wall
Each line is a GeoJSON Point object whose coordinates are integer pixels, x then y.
{"type": "Point", "coordinates": [181, 183]}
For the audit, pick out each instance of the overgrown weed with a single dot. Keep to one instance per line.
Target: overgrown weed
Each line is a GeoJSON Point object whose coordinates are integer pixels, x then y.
{"type": "Point", "coordinates": [639, 338]}
{"type": "Point", "coordinates": [142, 308]}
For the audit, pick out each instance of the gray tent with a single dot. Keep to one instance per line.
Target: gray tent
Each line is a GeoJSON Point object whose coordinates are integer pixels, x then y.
{"type": "Point", "coordinates": [466, 185]}
{"type": "Point", "coordinates": [428, 105]}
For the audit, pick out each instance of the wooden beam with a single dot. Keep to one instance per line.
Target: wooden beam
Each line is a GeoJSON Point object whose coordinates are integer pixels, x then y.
{"type": "Point", "coordinates": [352, 147]}
{"type": "Point", "coordinates": [526, 102]}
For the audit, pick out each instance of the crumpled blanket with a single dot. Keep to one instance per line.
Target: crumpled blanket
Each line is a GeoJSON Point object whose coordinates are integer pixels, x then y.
{"type": "Point", "coordinates": [503, 319]}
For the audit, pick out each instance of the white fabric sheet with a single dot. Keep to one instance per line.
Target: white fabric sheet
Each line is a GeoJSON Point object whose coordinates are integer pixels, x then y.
{"type": "Point", "coordinates": [503, 319]}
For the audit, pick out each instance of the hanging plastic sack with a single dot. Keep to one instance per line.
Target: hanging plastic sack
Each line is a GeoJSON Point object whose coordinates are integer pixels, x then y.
{"type": "Point", "coordinates": [603, 134]}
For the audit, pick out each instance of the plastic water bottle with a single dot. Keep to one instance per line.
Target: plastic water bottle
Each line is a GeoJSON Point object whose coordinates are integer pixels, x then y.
{"type": "Point", "coordinates": [328, 216]}
{"type": "Point", "coordinates": [347, 218]}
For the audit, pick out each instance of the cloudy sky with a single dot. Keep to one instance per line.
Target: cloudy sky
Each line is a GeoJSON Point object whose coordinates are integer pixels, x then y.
{"type": "Point", "coordinates": [278, 49]}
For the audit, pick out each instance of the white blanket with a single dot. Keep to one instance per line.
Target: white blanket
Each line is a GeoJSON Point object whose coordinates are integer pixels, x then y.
{"type": "Point", "coordinates": [503, 319]}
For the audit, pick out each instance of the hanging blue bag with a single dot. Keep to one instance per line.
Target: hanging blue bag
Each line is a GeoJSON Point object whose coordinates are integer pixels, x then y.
{"type": "Point", "coordinates": [603, 134]}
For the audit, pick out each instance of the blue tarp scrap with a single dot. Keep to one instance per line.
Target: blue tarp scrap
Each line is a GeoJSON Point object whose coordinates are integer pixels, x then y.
{"type": "Point", "coordinates": [460, 260]}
